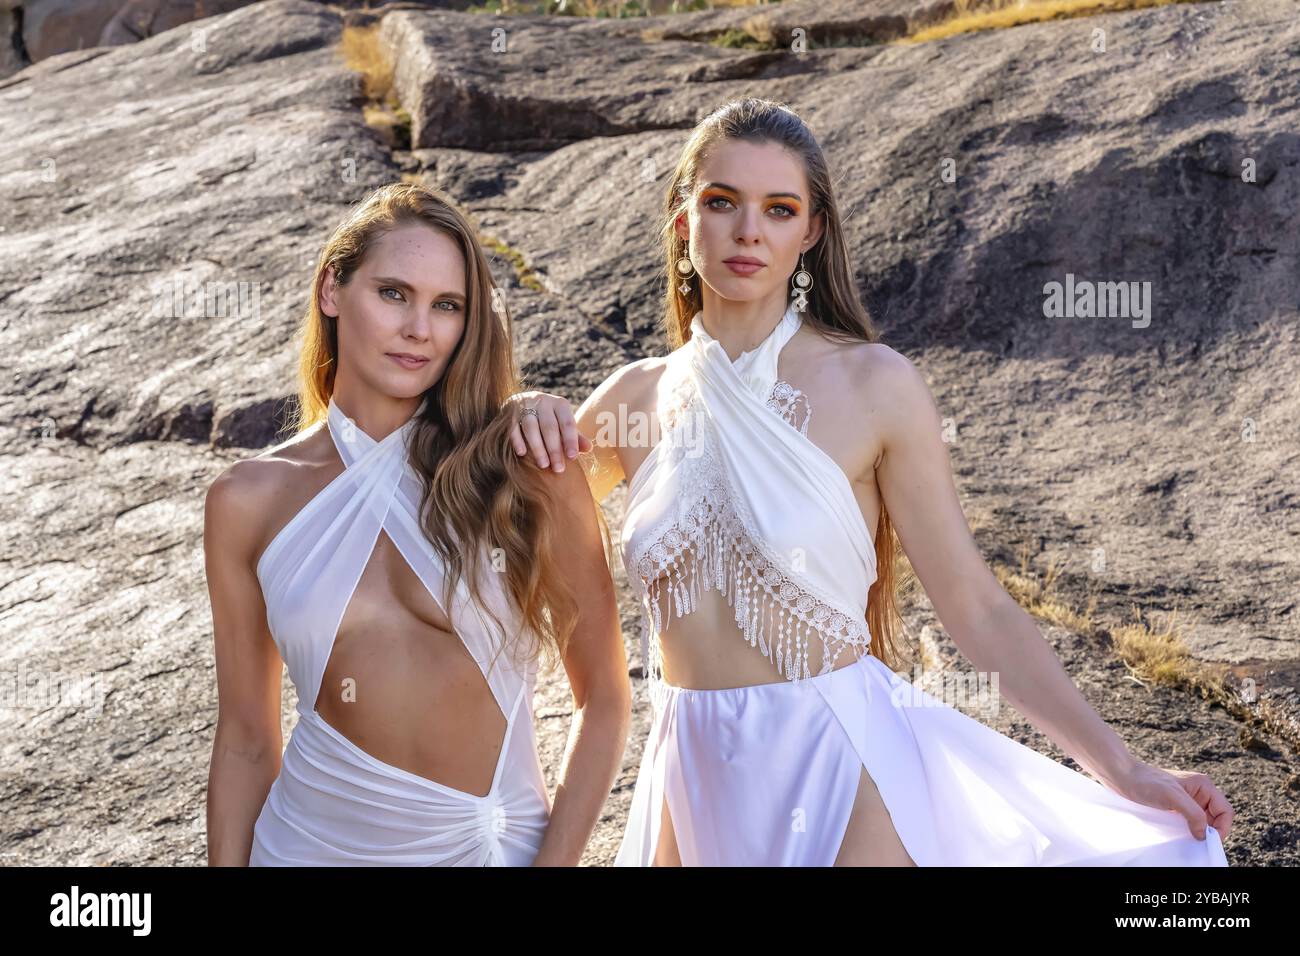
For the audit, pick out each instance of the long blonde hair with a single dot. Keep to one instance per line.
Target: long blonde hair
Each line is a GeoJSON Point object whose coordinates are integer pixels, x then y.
{"type": "Point", "coordinates": [477, 494]}
{"type": "Point", "coordinates": [835, 308]}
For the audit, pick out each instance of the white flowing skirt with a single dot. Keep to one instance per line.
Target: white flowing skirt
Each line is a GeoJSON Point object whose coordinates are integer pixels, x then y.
{"type": "Point", "coordinates": [767, 775]}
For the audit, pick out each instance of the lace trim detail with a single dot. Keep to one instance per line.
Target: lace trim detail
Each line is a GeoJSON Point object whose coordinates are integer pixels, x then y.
{"type": "Point", "coordinates": [709, 546]}
{"type": "Point", "coordinates": [788, 402]}
{"type": "Point", "coordinates": [673, 408]}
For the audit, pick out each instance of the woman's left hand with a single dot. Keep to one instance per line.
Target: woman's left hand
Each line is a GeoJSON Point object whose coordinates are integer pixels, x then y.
{"type": "Point", "coordinates": [1184, 791]}
{"type": "Point", "coordinates": [549, 435]}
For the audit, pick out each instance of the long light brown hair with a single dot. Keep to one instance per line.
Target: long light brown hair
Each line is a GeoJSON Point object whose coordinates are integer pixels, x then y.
{"type": "Point", "coordinates": [834, 308]}
{"type": "Point", "coordinates": [477, 494]}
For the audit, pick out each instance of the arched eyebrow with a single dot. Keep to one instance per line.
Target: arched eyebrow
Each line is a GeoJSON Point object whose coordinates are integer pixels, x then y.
{"type": "Point", "coordinates": [733, 189]}
{"type": "Point", "coordinates": [407, 287]}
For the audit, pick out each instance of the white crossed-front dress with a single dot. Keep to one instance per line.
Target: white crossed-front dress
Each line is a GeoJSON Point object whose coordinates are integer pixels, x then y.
{"type": "Point", "coordinates": [735, 497]}
{"type": "Point", "coordinates": [333, 804]}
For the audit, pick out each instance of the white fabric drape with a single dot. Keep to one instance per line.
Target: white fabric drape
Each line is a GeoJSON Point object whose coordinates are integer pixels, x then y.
{"type": "Point", "coordinates": [333, 803]}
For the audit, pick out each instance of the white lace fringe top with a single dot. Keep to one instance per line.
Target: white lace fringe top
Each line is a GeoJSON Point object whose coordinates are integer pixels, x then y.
{"type": "Point", "coordinates": [736, 497]}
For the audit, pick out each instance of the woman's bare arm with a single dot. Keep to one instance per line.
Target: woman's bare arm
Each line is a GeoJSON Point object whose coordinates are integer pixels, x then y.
{"type": "Point", "coordinates": [596, 663]}
{"type": "Point", "coordinates": [627, 390]}
{"type": "Point", "coordinates": [987, 625]}
{"type": "Point", "coordinates": [247, 746]}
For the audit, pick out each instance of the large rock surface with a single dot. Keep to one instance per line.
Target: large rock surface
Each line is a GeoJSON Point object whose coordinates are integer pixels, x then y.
{"type": "Point", "coordinates": [1157, 461]}
{"type": "Point", "coordinates": [32, 30]}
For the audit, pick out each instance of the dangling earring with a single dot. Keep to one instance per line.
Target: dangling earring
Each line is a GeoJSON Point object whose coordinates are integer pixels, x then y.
{"type": "Point", "coordinates": [803, 283]}
{"type": "Point", "coordinates": [685, 269]}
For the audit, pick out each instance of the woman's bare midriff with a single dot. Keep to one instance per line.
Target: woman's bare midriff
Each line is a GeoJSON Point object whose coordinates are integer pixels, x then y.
{"type": "Point", "coordinates": [706, 650]}
{"type": "Point", "coordinates": [421, 702]}
{"type": "Point", "coordinates": [399, 683]}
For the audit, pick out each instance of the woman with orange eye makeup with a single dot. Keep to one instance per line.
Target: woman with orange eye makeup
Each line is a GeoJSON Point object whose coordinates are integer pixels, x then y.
{"type": "Point", "coordinates": [791, 456]}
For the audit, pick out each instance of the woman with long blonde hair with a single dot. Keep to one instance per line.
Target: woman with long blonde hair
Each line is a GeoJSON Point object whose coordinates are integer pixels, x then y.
{"type": "Point", "coordinates": [411, 573]}
{"type": "Point", "coordinates": [782, 431]}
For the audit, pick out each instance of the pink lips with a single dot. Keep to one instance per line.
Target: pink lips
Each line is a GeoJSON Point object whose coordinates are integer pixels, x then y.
{"type": "Point", "coordinates": [743, 265]}
{"type": "Point", "coordinates": [406, 360]}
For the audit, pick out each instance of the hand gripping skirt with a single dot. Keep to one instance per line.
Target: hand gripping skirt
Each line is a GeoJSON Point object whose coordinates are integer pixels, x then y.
{"type": "Point", "coordinates": [767, 775]}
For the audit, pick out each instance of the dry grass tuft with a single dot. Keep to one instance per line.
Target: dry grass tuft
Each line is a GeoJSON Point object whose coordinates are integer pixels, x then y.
{"type": "Point", "coordinates": [363, 54]}
{"type": "Point", "coordinates": [1151, 646]}
{"type": "Point", "coordinates": [974, 15]}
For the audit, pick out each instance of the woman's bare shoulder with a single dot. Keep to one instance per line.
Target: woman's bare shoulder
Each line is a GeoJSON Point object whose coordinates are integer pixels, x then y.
{"type": "Point", "coordinates": [242, 500]}
{"type": "Point", "coordinates": [888, 383]}
{"type": "Point", "coordinates": [637, 375]}
{"type": "Point", "coordinates": [865, 367]}
{"type": "Point", "coordinates": [273, 468]}
{"type": "Point", "coordinates": [629, 384]}
{"type": "Point", "coordinates": [875, 380]}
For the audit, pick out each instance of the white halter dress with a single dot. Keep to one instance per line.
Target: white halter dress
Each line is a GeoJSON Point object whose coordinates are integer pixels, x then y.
{"type": "Point", "coordinates": [333, 803]}
{"type": "Point", "coordinates": [737, 498]}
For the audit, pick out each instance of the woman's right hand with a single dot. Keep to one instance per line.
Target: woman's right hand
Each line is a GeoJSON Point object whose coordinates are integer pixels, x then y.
{"type": "Point", "coordinates": [549, 436]}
